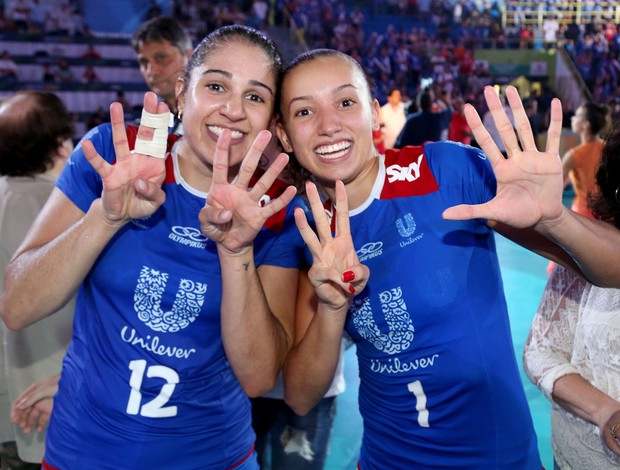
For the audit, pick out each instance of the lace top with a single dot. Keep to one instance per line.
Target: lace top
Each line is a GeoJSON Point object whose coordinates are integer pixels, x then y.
{"type": "Point", "coordinates": [576, 330]}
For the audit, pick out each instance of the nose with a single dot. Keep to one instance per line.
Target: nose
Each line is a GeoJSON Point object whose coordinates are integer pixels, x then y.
{"type": "Point", "coordinates": [329, 124]}
{"type": "Point", "coordinates": [150, 70]}
{"type": "Point", "coordinates": [234, 108]}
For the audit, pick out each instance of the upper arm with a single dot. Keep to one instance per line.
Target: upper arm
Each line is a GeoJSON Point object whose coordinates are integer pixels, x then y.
{"type": "Point", "coordinates": [57, 215]}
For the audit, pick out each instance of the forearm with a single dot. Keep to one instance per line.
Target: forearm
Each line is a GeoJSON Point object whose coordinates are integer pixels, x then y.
{"type": "Point", "coordinates": [41, 279]}
{"type": "Point", "coordinates": [311, 365]}
{"type": "Point", "coordinates": [575, 394]}
{"type": "Point", "coordinates": [594, 245]}
{"type": "Point", "coordinates": [255, 341]}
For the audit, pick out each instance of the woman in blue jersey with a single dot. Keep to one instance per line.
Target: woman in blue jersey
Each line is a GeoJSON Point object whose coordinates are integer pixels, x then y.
{"type": "Point", "coordinates": [440, 386]}
{"type": "Point", "coordinates": [184, 258]}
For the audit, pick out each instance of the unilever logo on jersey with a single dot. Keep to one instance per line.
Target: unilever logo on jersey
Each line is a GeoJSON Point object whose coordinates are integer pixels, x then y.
{"type": "Point", "coordinates": [370, 250]}
{"type": "Point", "coordinates": [399, 336]}
{"type": "Point", "coordinates": [188, 236]}
{"type": "Point", "coordinates": [189, 299]}
{"type": "Point", "coordinates": [406, 228]}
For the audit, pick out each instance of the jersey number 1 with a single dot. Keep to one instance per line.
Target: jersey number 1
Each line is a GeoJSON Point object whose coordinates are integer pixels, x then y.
{"type": "Point", "coordinates": [420, 404]}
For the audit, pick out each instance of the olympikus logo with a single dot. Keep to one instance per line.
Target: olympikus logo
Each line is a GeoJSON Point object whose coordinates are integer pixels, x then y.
{"type": "Point", "coordinates": [370, 250]}
{"type": "Point", "coordinates": [188, 236]}
{"type": "Point", "coordinates": [409, 173]}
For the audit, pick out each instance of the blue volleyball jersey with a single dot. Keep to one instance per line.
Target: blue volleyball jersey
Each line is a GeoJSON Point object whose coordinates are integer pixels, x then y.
{"type": "Point", "coordinates": [145, 383]}
{"type": "Point", "coordinates": [440, 386]}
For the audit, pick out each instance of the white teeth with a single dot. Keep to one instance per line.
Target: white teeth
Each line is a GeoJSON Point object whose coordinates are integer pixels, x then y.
{"type": "Point", "coordinates": [218, 130]}
{"type": "Point", "coordinates": [334, 151]}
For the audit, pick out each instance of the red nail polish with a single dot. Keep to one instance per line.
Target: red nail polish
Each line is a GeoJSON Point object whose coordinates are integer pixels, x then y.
{"type": "Point", "coordinates": [348, 276]}
{"type": "Point", "coordinates": [351, 289]}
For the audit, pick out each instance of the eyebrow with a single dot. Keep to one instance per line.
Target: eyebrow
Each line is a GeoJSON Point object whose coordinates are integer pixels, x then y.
{"type": "Point", "coordinates": [230, 76]}
{"type": "Point", "coordinates": [308, 97]}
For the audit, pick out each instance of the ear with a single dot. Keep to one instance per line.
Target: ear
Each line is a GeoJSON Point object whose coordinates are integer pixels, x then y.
{"type": "Point", "coordinates": [180, 94]}
{"type": "Point", "coordinates": [376, 108]}
{"type": "Point", "coordinates": [284, 140]}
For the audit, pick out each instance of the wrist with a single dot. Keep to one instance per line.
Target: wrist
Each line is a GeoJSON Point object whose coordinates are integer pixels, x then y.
{"type": "Point", "coordinates": [97, 210]}
{"type": "Point", "coordinates": [243, 253]}
{"type": "Point", "coordinates": [334, 309]}
{"type": "Point", "coordinates": [554, 226]}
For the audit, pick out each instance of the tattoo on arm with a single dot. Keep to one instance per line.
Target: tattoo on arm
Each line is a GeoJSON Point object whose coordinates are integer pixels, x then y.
{"type": "Point", "coordinates": [246, 266]}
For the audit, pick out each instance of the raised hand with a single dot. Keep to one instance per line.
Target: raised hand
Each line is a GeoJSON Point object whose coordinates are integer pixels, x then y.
{"type": "Point", "coordinates": [336, 272]}
{"type": "Point", "coordinates": [529, 181]}
{"type": "Point", "coordinates": [233, 215]}
{"type": "Point", "coordinates": [132, 185]}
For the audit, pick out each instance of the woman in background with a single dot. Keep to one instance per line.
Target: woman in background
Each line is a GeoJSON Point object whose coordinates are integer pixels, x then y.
{"type": "Point", "coordinates": [572, 353]}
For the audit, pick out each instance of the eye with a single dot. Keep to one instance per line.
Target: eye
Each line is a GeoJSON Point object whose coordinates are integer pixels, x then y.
{"type": "Point", "coordinates": [214, 87]}
{"type": "Point", "coordinates": [346, 103]}
{"type": "Point", "coordinates": [302, 112]}
{"type": "Point", "coordinates": [255, 97]}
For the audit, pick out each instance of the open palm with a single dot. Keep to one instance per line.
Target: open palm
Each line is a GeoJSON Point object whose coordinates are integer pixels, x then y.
{"type": "Point", "coordinates": [132, 185]}
{"type": "Point", "coordinates": [233, 214]}
{"type": "Point", "coordinates": [529, 181]}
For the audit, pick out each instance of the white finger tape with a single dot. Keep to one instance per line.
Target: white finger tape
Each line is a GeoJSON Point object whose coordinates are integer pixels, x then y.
{"type": "Point", "coordinates": [157, 146]}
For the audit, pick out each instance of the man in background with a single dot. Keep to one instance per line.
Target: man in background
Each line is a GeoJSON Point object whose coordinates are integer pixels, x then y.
{"type": "Point", "coordinates": [163, 48]}
{"type": "Point", "coordinates": [392, 117]}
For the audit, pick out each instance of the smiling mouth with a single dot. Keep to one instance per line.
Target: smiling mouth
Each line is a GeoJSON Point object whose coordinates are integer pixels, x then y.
{"type": "Point", "coordinates": [331, 152]}
{"type": "Point", "coordinates": [218, 131]}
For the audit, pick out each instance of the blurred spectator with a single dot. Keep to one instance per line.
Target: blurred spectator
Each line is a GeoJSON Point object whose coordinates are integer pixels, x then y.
{"type": "Point", "coordinates": [550, 31]}
{"type": "Point", "coordinates": [38, 16]}
{"type": "Point", "coordinates": [459, 130]}
{"type": "Point", "coordinates": [536, 119]}
{"type": "Point", "coordinates": [90, 75]}
{"type": "Point", "coordinates": [8, 68]}
{"type": "Point", "coordinates": [64, 74]}
{"type": "Point", "coordinates": [424, 125]}
{"type": "Point", "coordinates": [261, 10]}
{"type": "Point", "coordinates": [154, 11]}
{"type": "Point", "coordinates": [163, 48]}
{"type": "Point", "coordinates": [98, 117]}
{"type": "Point", "coordinates": [392, 117]}
{"type": "Point", "coordinates": [91, 53]}
{"type": "Point", "coordinates": [19, 13]}
{"type": "Point", "coordinates": [120, 98]}
{"type": "Point", "coordinates": [48, 76]}
{"type": "Point", "coordinates": [36, 142]}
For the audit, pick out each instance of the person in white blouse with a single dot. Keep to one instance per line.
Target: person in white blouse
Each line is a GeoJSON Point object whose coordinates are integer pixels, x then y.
{"type": "Point", "coordinates": [573, 350]}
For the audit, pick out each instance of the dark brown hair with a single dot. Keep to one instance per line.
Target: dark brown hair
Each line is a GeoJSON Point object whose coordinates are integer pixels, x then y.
{"type": "Point", "coordinates": [605, 203]}
{"type": "Point", "coordinates": [33, 125]}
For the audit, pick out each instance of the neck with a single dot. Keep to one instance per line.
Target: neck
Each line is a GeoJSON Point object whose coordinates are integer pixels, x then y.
{"type": "Point", "coordinates": [198, 174]}
{"type": "Point", "coordinates": [196, 170]}
{"type": "Point", "coordinates": [588, 137]}
{"type": "Point", "coordinates": [360, 186]}
{"type": "Point", "coordinates": [171, 104]}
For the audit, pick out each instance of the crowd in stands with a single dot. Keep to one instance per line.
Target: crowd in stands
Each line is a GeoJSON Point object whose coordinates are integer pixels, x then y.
{"type": "Point", "coordinates": [49, 17]}
{"type": "Point", "coordinates": [430, 42]}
